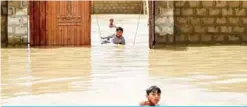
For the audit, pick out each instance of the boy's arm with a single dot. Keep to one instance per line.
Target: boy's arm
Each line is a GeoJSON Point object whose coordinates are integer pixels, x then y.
{"type": "Point", "coordinates": [123, 41]}
{"type": "Point", "coordinates": [108, 37]}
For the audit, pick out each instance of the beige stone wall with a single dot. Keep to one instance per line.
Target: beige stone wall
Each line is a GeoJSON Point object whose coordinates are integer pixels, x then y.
{"type": "Point", "coordinates": [117, 7]}
{"type": "Point", "coordinates": [4, 12]}
{"type": "Point", "coordinates": [208, 22]}
{"type": "Point", "coordinates": [17, 22]}
{"type": "Point", "coordinates": [164, 21]}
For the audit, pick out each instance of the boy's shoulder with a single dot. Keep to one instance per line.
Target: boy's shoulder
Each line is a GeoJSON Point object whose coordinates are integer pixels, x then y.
{"type": "Point", "coordinates": [144, 103]}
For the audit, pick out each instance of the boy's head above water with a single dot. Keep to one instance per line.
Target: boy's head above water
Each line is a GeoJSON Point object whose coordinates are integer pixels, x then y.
{"type": "Point", "coordinates": [111, 20]}
{"type": "Point", "coordinates": [119, 31]}
{"type": "Point", "coordinates": [153, 95]}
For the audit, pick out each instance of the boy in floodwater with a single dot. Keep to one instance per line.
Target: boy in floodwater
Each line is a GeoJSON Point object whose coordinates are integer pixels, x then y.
{"type": "Point", "coordinates": [111, 25]}
{"type": "Point", "coordinates": [153, 96]}
{"type": "Point", "coordinates": [116, 38]}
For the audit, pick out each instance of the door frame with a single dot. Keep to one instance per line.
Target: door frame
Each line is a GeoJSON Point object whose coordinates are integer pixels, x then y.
{"type": "Point", "coordinates": [151, 23]}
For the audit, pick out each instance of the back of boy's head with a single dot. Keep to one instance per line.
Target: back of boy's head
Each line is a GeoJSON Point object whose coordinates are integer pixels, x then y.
{"type": "Point", "coordinates": [153, 89]}
{"type": "Point", "coordinates": [119, 29]}
{"type": "Point", "coordinates": [111, 19]}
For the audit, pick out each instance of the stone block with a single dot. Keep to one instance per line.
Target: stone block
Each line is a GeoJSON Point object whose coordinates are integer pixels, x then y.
{"type": "Point", "coordinates": [233, 20]}
{"type": "Point", "coordinates": [170, 38]}
{"type": "Point", "coordinates": [244, 4]}
{"type": "Point", "coordinates": [13, 40]}
{"type": "Point", "coordinates": [227, 12]}
{"type": "Point", "coordinates": [238, 29]}
{"type": "Point", "coordinates": [214, 12]}
{"type": "Point", "coordinates": [21, 12]}
{"type": "Point", "coordinates": [233, 38]}
{"type": "Point", "coordinates": [194, 3]}
{"type": "Point", "coordinates": [13, 20]}
{"type": "Point", "coordinates": [171, 20]}
{"type": "Point", "coordinates": [213, 29]}
{"type": "Point", "coordinates": [186, 29]}
{"type": "Point", "coordinates": [208, 21]}
{"type": "Point", "coordinates": [202, 12]}
{"type": "Point", "coordinates": [170, 4]}
{"type": "Point", "coordinates": [244, 38]}
{"type": "Point", "coordinates": [11, 29]}
{"type": "Point", "coordinates": [180, 38]}
{"type": "Point", "coordinates": [226, 29]}
{"type": "Point", "coordinates": [199, 29]}
{"type": "Point", "coordinates": [23, 4]}
{"type": "Point", "coordinates": [24, 40]}
{"type": "Point", "coordinates": [17, 20]}
{"type": "Point", "coordinates": [221, 3]}
{"type": "Point", "coordinates": [221, 21]}
{"type": "Point", "coordinates": [162, 20]}
{"type": "Point", "coordinates": [244, 20]}
{"type": "Point", "coordinates": [195, 21]}
{"type": "Point", "coordinates": [179, 3]}
{"type": "Point", "coordinates": [233, 3]}
{"type": "Point", "coordinates": [166, 12]}
{"type": "Point", "coordinates": [187, 12]}
{"type": "Point", "coordinates": [194, 38]}
{"type": "Point", "coordinates": [219, 38]}
{"type": "Point", "coordinates": [21, 30]}
{"type": "Point", "coordinates": [208, 3]}
{"type": "Point", "coordinates": [16, 4]}
{"type": "Point", "coordinates": [182, 20]}
{"type": "Point", "coordinates": [206, 37]}
{"type": "Point", "coordinates": [163, 29]}
{"type": "Point", "coordinates": [160, 39]}
{"type": "Point", "coordinates": [11, 11]}
{"type": "Point", "coordinates": [177, 12]}
{"type": "Point", "coordinates": [240, 12]}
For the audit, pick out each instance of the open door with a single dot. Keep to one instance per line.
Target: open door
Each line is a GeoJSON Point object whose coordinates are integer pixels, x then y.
{"type": "Point", "coordinates": [60, 23]}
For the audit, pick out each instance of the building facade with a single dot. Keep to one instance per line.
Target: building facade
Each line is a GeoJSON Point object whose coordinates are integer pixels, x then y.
{"type": "Point", "coordinates": [185, 22]}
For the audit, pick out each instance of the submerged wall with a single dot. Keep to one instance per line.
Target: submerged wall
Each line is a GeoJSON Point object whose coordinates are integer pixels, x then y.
{"type": "Point", "coordinates": [203, 22]}
{"type": "Point", "coordinates": [117, 7]}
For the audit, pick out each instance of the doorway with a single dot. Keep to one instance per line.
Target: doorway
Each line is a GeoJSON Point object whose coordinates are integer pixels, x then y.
{"type": "Point", "coordinates": [68, 23]}
{"type": "Point", "coordinates": [60, 23]}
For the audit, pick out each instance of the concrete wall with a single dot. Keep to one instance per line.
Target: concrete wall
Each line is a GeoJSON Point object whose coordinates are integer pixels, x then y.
{"type": "Point", "coordinates": [4, 12]}
{"type": "Point", "coordinates": [117, 7]}
{"type": "Point", "coordinates": [17, 22]}
{"type": "Point", "coordinates": [206, 22]}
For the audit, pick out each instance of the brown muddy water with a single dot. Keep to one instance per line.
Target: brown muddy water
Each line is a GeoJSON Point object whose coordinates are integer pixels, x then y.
{"type": "Point", "coordinates": [119, 75]}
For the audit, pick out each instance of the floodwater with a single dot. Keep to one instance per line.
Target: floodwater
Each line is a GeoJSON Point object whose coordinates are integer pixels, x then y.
{"type": "Point", "coordinates": [119, 75]}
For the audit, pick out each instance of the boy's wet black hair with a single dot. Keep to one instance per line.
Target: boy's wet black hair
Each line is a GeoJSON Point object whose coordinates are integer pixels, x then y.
{"type": "Point", "coordinates": [119, 29]}
{"type": "Point", "coordinates": [153, 89]}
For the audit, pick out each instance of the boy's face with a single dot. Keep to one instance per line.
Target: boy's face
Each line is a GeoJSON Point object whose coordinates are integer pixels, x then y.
{"type": "Point", "coordinates": [111, 21]}
{"type": "Point", "coordinates": [154, 97]}
{"type": "Point", "coordinates": [119, 33]}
